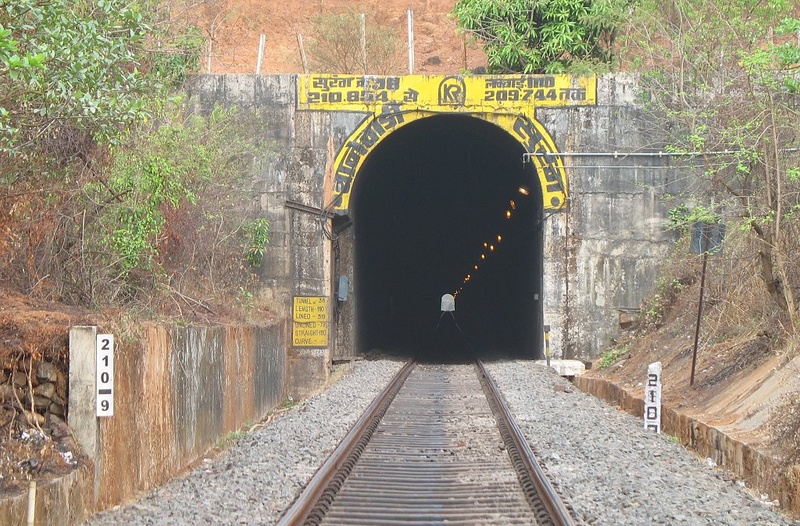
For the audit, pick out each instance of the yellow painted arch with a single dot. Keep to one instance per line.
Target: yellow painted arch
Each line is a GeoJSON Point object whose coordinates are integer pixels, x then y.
{"type": "Point", "coordinates": [376, 127]}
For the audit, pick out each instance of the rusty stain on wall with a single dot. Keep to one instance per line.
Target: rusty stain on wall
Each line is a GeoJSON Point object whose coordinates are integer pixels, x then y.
{"type": "Point", "coordinates": [177, 392]}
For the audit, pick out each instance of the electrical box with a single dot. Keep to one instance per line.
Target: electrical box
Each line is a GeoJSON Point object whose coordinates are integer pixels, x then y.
{"type": "Point", "coordinates": [341, 289]}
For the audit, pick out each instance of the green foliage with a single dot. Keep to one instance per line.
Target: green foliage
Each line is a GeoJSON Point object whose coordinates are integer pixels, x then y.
{"type": "Point", "coordinates": [550, 36]}
{"type": "Point", "coordinates": [245, 298]}
{"type": "Point", "coordinates": [658, 305]}
{"type": "Point", "coordinates": [613, 355]}
{"type": "Point", "coordinates": [724, 75]}
{"type": "Point", "coordinates": [256, 235]}
{"type": "Point", "coordinates": [226, 441]}
{"type": "Point", "coordinates": [775, 66]}
{"type": "Point", "coordinates": [681, 217]}
{"type": "Point", "coordinates": [655, 309]}
{"type": "Point", "coordinates": [152, 180]}
{"type": "Point", "coordinates": [164, 170]}
{"type": "Point", "coordinates": [336, 47]}
{"type": "Point", "coordinates": [288, 403]}
{"type": "Point", "coordinates": [174, 63]}
{"type": "Point", "coordinates": [15, 65]}
{"type": "Point", "coordinates": [79, 74]}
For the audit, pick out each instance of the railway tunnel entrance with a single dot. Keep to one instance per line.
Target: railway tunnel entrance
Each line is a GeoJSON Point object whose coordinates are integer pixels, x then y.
{"type": "Point", "coordinates": [432, 180]}
{"type": "Point", "coordinates": [445, 205]}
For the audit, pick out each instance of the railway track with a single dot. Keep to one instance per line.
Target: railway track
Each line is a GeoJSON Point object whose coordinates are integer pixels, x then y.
{"type": "Point", "coordinates": [437, 446]}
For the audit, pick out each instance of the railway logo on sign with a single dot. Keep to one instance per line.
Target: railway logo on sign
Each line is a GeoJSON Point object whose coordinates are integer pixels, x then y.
{"type": "Point", "coordinates": [452, 91]}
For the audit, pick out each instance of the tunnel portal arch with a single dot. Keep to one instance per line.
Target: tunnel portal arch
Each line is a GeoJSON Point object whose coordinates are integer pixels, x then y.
{"type": "Point", "coordinates": [398, 109]}
{"type": "Point", "coordinates": [438, 208]}
{"type": "Point", "coordinates": [529, 132]}
{"type": "Point", "coordinates": [391, 102]}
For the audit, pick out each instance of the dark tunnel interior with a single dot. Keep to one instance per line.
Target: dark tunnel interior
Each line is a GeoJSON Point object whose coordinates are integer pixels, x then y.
{"type": "Point", "coordinates": [427, 203]}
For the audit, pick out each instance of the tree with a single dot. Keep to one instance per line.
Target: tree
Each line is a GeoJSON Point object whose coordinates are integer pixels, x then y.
{"type": "Point", "coordinates": [77, 74]}
{"type": "Point", "coordinates": [172, 202]}
{"type": "Point", "coordinates": [87, 106]}
{"type": "Point", "coordinates": [167, 214]}
{"type": "Point", "coordinates": [542, 36]}
{"type": "Point", "coordinates": [725, 73]}
{"type": "Point", "coordinates": [337, 45]}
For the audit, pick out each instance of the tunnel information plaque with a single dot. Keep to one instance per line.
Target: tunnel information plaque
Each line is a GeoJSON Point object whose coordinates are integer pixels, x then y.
{"type": "Point", "coordinates": [310, 321]}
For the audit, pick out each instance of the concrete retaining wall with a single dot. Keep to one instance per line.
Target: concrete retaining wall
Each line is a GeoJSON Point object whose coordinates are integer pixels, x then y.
{"type": "Point", "coordinates": [62, 502]}
{"type": "Point", "coordinates": [176, 393]}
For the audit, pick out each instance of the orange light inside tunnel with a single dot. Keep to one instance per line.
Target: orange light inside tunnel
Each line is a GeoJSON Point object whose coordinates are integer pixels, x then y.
{"type": "Point", "coordinates": [499, 238]}
{"type": "Point", "coordinates": [508, 214]}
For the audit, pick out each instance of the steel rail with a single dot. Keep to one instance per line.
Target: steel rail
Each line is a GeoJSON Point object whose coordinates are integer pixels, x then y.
{"type": "Point", "coordinates": [420, 480]}
{"type": "Point", "coordinates": [323, 486]}
{"type": "Point", "coordinates": [532, 475]}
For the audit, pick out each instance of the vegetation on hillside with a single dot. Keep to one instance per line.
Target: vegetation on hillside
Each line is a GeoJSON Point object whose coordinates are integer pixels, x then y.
{"type": "Point", "coordinates": [725, 76]}
{"type": "Point", "coordinates": [78, 74]}
{"type": "Point", "coordinates": [723, 80]}
{"type": "Point", "coordinates": [353, 43]}
{"type": "Point", "coordinates": [109, 194]}
{"type": "Point", "coordinates": [556, 36]}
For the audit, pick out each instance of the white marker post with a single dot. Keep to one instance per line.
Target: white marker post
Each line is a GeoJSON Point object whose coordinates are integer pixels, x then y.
{"type": "Point", "coordinates": [652, 398]}
{"type": "Point", "coordinates": [105, 375]}
{"type": "Point", "coordinates": [410, 42]}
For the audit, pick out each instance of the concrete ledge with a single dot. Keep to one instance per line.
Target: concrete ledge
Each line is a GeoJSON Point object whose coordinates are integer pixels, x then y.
{"type": "Point", "coordinates": [566, 368]}
{"type": "Point", "coordinates": [308, 371]}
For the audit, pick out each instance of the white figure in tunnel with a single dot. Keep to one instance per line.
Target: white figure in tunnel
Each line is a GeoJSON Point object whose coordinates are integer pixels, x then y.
{"type": "Point", "coordinates": [448, 303]}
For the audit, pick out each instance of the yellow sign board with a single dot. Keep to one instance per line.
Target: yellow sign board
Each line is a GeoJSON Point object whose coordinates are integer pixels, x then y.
{"type": "Point", "coordinates": [306, 309]}
{"type": "Point", "coordinates": [310, 321]}
{"type": "Point", "coordinates": [468, 93]}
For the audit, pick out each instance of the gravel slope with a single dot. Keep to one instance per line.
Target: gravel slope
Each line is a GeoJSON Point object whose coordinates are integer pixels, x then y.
{"type": "Point", "coordinates": [602, 460]}
{"type": "Point", "coordinates": [611, 469]}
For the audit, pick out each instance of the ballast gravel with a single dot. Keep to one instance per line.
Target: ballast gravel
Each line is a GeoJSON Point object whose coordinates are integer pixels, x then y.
{"type": "Point", "coordinates": [611, 470]}
{"type": "Point", "coordinates": [261, 474]}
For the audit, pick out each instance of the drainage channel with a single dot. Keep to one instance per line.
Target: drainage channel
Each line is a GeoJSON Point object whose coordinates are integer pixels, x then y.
{"type": "Point", "coordinates": [437, 446]}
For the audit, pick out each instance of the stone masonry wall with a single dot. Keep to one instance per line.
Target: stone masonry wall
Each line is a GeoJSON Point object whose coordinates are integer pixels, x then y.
{"type": "Point", "coordinates": [295, 148]}
{"type": "Point", "coordinates": [601, 255]}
